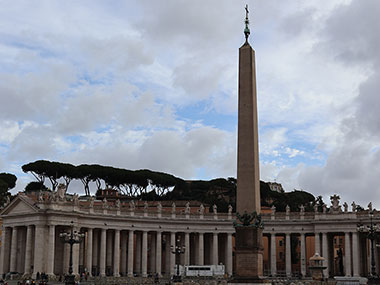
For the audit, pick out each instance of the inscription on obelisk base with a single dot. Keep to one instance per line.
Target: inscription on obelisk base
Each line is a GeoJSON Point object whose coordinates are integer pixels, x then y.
{"type": "Point", "coordinates": [248, 226]}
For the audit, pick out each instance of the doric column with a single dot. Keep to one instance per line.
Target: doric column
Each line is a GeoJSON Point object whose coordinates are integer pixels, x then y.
{"type": "Point", "coordinates": [5, 247]}
{"type": "Point", "coordinates": [215, 257]}
{"type": "Point", "coordinates": [325, 254]}
{"type": "Point", "coordinates": [187, 248]}
{"type": "Point", "coordinates": [138, 253]}
{"type": "Point", "coordinates": [172, 255]}
{"type": "Point", "coordinates": [39, 249]}
{"type": "Point", "coordinates": [21, 240]}
{"type": "Point", "coordinates": [229, 254]}
{"type": "Point", "coordinates": [144, 258]}
{"type": "Point", "coordinates": [347, 253]}
{"type": "Point", "coordinates": [89, 251]}
{"type": "Point", "coordinates": [273, 255]}
{"type": "Point", "coordinates": [288, 258]}
{"type": "Point", "coordinates": [109, 251]}
{"type": "Point", "coordinates": [355, 254]}
{"type": "Point", "coordinates": [317, 244]}
{"type": "Point", "coordinates": [152, 257]}
{"type": "Point", "coordinates": [102, 257]}
{"type": "Point", "coordinates": [13, 265]}
{"type": "Point", "coordinates": [201, 249]}
{"type": "Point", "coordinates": [51, 246]}
{"type": "Point", "coordinates": [303, 255]}
{"type": "Point", "coordinates": [28, 250]}
{"type": "Point", "coordinates": [158, 253]}
{"type": "Point", "coordinates": [116, 254]}
{"type": "Point", "coordinates": [123, 255]}
{"type": "Point", "coordinates": [130, 253]}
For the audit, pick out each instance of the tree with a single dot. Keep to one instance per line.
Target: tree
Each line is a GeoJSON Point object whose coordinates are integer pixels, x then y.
{"type": "Point", "coordinates": [7, 182]}
{"type": "Point", "coordinates": [9, 179]}
{"type": "Point", "coordinates": [35, 186]}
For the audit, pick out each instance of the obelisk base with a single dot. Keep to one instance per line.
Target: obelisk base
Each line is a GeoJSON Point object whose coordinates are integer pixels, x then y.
{"type": "Point", "coordinates": [248, 256]}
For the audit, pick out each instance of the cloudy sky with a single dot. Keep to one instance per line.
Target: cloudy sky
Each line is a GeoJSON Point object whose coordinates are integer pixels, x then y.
{"type": "Point", "coordinates": [153, 84]}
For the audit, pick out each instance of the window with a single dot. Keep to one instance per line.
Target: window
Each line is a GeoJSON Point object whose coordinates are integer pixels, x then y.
{"type": "Point", "coordinates": [280, 243]}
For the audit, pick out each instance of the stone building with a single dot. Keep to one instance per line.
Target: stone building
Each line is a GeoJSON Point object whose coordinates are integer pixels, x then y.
{"type": "Point", "coordinates": [120, 238]}
{"type": "Point", "coordinates": [124, 240]}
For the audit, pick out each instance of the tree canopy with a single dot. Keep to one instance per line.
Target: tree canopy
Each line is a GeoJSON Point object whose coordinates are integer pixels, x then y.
{"type": "Point", "coordinates": [152, 185]}
{"type": "Point", "coordinates": [7, 182]}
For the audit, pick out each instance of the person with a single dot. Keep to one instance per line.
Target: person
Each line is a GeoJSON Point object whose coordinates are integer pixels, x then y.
{"type": "Point", "coordinates": [156, 279]}
{"type": "Point", "coordinates": [38, 275]}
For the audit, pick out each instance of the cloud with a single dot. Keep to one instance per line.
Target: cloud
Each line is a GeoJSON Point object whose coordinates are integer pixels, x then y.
{"type": "Point", "coordinates": [352, 164]}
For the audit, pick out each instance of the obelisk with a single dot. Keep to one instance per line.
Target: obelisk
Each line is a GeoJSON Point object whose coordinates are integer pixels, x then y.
{"type": "Point", "coordinates": [248, 246]}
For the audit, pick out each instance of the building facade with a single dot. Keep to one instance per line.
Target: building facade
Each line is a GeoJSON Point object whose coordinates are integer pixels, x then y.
{"type": "Point", "coordinates": [124, 240]}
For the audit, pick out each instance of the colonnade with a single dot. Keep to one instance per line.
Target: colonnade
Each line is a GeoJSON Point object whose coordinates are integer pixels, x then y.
{"type": "Point", "coordinates": [323, 244]}
{"type": "Point", "coordinates": [110, 251]}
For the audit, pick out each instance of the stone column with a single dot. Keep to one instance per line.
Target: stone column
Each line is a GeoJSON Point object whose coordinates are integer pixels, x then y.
{"type": "Point", "coordinates": [109, 251]}
{"type": "Point", "coordinates": [81, 253]}
{"type": "Point", "coordinates": [116, 254]}
{"type": "Point", "coordinates": [95, 250]}
{"type": "Point", "coordinates": [215, 257]}
{"type": "Point", "coordinates": [201, 253]}
{"type": "Point", "coordinates": [229, 255]}
{"type": "Point", "coordinates": [144, 257]}
{"type": "Point", "coordinates": [102, 257]}
{"type": "Point", "coordinates": [158, 253]}
{"type": "Point", "coordinates": [187, 248]}
{"type": "Point", "coordinates": [152, 254]}
{"type": "Point", "coordinates": [123, 255]}
{"type": "Point", "coordinates": [5, 247]}
{"type": "Point", "coordinates": [13, 265]}
{"type": "Point", "coordinates": [51, 247]}
{"type": "Point", "coordinates": [317, 244]}
{"type": "Point", "coordinates": [39, 249]}
{"type": "Point", "coordinates": [273, 255]}
{"type": "Point", "coordinates": [303, 255]}
{"type": "Point", "coordinates": [347, 253]}
{"type": "Point", "coordinates": [89, 251]}
{"type": "Point", "coordinates": [28, 250]}
{"type": "Point", "coordinates": [355, 254]}
{"type": "Point", "coordinates": [325, 254]}
{"type": "Point", "coordinates": [172, 255]}
{"type": "Point", "coordinates": [130, 253]}
{"type": "Point", "coordinates": [138, 253]}
{"type": "Point", "coordinates": [21, 246]}
{"type": "Point", "coordinates": [288, 260]}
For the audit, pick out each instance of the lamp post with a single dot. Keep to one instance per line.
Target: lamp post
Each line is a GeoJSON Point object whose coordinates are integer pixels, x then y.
{"type": "Point", "coordinates": [177, 250]}
{"type": "Point", "coordinates": [371, 231]}
{"type": "Point", "coordinates": [71, 238]}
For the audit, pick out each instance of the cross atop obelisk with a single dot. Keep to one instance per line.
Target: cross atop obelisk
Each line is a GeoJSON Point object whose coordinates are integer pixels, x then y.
{"type": "Point", "coordinates": [246, 30]}
{"type": "Point", "coordinates": [249, 249]}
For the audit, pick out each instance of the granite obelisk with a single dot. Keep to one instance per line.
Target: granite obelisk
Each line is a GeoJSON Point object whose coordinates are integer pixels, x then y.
{"type": "Point", "coordinates": [248, 247]}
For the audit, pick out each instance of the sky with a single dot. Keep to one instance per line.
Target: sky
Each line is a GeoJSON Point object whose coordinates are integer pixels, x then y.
{"type": "Point", "coordinates": [153, 84]}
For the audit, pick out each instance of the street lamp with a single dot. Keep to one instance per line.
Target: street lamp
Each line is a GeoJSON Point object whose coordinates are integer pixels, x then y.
{"type": "Point", "coordinates": [177, 250]}
{"type": "Point", "coordinates": [371, 232]}
{"type": "Point", "coordinates": [71, 238]}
